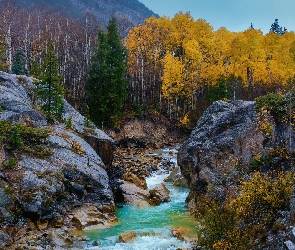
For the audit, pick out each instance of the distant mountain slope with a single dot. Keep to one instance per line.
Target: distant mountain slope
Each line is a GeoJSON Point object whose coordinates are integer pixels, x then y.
{"type": "Point", "coordinates": [131, 12]}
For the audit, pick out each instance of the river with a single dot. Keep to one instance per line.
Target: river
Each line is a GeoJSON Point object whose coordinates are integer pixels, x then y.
{"type": "Point", "coordinates": [152, 224]}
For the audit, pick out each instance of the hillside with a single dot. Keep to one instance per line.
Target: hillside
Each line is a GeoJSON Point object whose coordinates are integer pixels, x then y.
{"type": "Point", "coordinates": [129, 12]}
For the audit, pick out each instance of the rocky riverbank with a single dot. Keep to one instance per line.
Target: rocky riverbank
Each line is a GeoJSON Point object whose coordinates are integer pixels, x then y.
{"type": "Point", "coordinates": [66, 177]}
{"type": "Point", "coordinates": [152, 212]}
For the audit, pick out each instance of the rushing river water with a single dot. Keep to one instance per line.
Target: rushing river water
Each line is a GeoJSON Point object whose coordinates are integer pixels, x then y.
{"type": "Point", "coordinates": [152, 224]}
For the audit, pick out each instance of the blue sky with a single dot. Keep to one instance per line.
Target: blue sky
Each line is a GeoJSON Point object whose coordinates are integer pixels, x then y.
{"type": "Point", "coordinates": [235, 15]}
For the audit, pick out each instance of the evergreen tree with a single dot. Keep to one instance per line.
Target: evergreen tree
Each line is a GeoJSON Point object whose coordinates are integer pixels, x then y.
{"type": "Point", "coordinates": [222, 90]}
{"type": "Point", "coordinates": [35, 70]}
{"type": "Point", "coordinates": [48, 89]}
{"type": "Point", "coordinates": [276, 28]}
{"type": "Point", "coordinates": [15, 140]}
{"type": "Point", "coordinates": [106, 85]}
{"type": "Point", "coordinates": [19, 63]}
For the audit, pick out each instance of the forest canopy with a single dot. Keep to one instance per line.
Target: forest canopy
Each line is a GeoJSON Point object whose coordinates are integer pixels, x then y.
{"type": "Point", "coordinates": [176, 65]}
{"type": "Point", "coordinates": [179, 59]}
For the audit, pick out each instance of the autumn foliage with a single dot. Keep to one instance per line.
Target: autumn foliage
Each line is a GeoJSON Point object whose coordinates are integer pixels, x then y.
{"type": "Point", "coordinates": [243, 222]}
{"type": "Point", "coordinates": [174, 61]}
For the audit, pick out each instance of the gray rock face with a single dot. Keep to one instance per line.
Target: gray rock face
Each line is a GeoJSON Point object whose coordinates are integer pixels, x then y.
{"type": "Point", "coordinates": [73, 175]}
{"type": "Point", "coordinates": [225, 140]}
{"type": "Point", "coordinates": [290, 245]}
{"type": "Point", "coordinates": [5, 240]}
{"type": "Point", "coordinates": [217, 155]}
{"type": "Point", "coordinates": [17, 99]}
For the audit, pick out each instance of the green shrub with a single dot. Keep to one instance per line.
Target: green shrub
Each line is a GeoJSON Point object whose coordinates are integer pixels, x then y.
{"type": "Point", "coordinates": [243, 222]}
{"type": "Point", "coordinates": [10, 164]}
{"type": "Point", "coordinates": [257, 162]}
{"type": "Point", "coordinates": [15, 139]}
{"type": "Point", "coordinates": [69, 123]}
{"type": "Point", "coordinates": [223, 90]}
{"type": "Point", "coordinates": [258, 207]}
{"type": "Point", "coordinates": [217, 222]}
{"type": "Point", "coordinates": [87, 121]}
{"type": "Point", "coordinates": [22, 138]}
{"type": "Point", "coordinates": [277, 105]}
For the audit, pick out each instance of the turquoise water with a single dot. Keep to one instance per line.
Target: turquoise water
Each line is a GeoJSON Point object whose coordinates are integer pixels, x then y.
{"type": "Point", "coordinates": [152, 224]}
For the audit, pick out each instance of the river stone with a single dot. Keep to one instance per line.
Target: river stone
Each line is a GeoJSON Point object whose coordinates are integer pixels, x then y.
{"type": "Point", "coordinates": [138, 181]}
{"type": "Point", "coordinates": [133, 194]}
{"type": "Point", "coordinates": [177, 178]}
{"type": "Point", "coordinates": [142, 204]}
{"type": "Point", "coordinates": [127, 236]}
{"type": "Point", "coordinates": [88, 217]}
{"type": "Point", "coordinates": [154, 201]}
{"type": "Point", "coordinates": [61, 240]}
{"type": "Point", "coordinates": [185, 234]}
{"type": "Point", "coordinates": [159, 194]}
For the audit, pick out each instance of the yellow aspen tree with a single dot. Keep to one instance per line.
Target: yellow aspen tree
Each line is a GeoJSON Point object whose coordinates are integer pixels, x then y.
{"type": "Point", "coordinates": [221, 52]}
{"type": "Point", "coordinates": [173, 81]}
{"type": "Point", "coordinates": [248, 56]}
{"type": "Point", "coordinates": [285, 59]}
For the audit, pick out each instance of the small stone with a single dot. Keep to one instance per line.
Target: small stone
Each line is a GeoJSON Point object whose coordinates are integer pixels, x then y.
{"type": "Point", "coordinates": [184, 234]}
{"type": "Point", "coordinates": [127, 236]}
{"type": "Point", "coordinates": [142, 204]}
{"type": "Point", "coordinates": [5, 240]}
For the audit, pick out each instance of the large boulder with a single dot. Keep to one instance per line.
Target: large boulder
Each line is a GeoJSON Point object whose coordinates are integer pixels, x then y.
{"type": "Point", "coordinates": [177, 178]}
{"type": "Point", "coordinates": [48, 187]}
{"type": "Point", "coordinates": [159, 194]}
{"type": "Point", "coordinates": [130, 193]}
{"type": "Point", "coordinates": [88, 217]}
{"type": "Point", "coordinates": [103, 144]}
{"type": "Point", "coordinates": [221, 146]}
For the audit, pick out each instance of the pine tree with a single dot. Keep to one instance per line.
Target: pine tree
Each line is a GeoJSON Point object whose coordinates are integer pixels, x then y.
{"type": "Point", "coordinates": [106, 85]}
{"type": "Point", "coordinates": [48, 89]}
{"type": "Point", "coordinates": [222, 90]}
{"type": "Point", "coordinates": [19, 63]}
{"type": "Point", "coordinates": [276, 28]}
{"type": "Point", "coordinates": [15, 140]}
{"type": "Point", "coordinates": [35, 70]}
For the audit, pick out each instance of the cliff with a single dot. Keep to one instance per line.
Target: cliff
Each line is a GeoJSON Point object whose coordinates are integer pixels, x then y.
{"type": "Point", "coordinates": [229, 145]}
{"type": "Point", "coordinates": [57, 169]}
